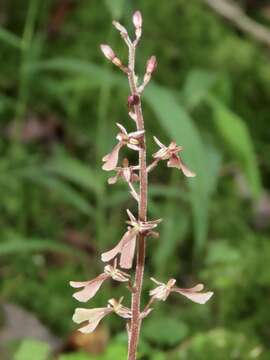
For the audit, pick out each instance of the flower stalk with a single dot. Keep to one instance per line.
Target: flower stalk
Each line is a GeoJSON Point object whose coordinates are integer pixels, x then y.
{"type": "Point", "coordinates": [139, 228]}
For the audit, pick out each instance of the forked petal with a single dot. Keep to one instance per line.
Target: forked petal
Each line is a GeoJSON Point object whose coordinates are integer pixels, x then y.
{"type": "Point", "coordinates": [109, 255]}
{"type": "Point", "coordinates": [81, 314]}
{"type": "Point", "coordinates": [90, 289]}
{"type": "Point", "coordinates": [93, 316]}
{"type": "Point", "coordinates": [112, 158]}
{"type": "Point", "coordinates": [127, 254]}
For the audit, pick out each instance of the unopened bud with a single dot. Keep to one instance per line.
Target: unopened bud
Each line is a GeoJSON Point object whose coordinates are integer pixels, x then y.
{"type": "Point", "coordinates": [107, 51]}
{"type": "Point", "coordinates": [151, 65]}
{"type": "Point", "coordinates": [137, 20]}
{"type": "Point", "coordinates": [120, 28]}
{"type": "Point", "coordinates": [133, 100]}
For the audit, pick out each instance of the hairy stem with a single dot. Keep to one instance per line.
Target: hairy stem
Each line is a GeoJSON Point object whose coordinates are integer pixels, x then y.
{"type": "Point", "coordinates": [142, 210]}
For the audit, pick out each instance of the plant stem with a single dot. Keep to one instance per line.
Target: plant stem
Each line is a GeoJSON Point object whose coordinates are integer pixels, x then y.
{"type": "Point", "coordinates": [142, 213]}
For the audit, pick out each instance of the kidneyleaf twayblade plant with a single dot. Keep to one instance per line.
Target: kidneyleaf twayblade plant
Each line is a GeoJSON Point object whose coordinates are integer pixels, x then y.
{"type": "Point", "coordinates": [139, 228]}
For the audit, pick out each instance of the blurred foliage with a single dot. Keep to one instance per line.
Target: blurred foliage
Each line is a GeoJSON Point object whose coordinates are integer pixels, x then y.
{"type": "Point", "coordinates": [59, 101]}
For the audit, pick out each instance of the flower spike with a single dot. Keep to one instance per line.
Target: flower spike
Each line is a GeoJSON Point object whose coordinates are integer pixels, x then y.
{"type": "Point", "coordinates": [170, 153]}
{"type": "Point", "coordinates": [162, 291]}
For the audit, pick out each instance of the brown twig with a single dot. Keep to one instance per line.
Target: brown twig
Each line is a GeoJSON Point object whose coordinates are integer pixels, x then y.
{"type": "Point", "coordinates": [238, 18]}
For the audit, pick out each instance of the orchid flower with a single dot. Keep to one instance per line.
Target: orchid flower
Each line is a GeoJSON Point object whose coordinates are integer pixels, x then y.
{"type": "Point", "coordinates": [132, 140]}
{"type": "Point", "coordinates": [94, 316]}
{"type": "Point", "coordinates": [91, 287]}
{"type": "Point", "coordinates": [194, 294]}
{"type": "Point", "coordinates": [125, 172]}
{"type": "Point", "coordinates": [170, 153]}
{"type": "Point", "coordinates": [126, 246]}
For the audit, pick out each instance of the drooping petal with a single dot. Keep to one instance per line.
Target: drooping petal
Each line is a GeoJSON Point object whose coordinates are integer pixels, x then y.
{"type": "Point", "coordinates": [175, 161]}
{"type": "Point", "coordinates": [90, 288]}
{"type": "Point", "coordinates": [127, 254]}
{"type": "Point", "coordinates": [109, 255]}
{"type": "Point", "coordinates": [93, 316]}
{"type": "Point", "coordinates": [194, 295]}
{"type": "Point", "coordinates": [111, 159]}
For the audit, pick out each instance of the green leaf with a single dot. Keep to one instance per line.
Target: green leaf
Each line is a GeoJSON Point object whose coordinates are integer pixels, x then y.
{"type": "Point", "coordinates": [164, 331]}
{"type": "Point", "coordinates": [10, 39]}
{"type": "Point", "coordinates": [116, 8]}
{"type": "Point", "coordinates": [22, 245]}
{"type": "Point", "coordinates": [75, 171]}
{"type": "Point", "coordinates": [32, 348]}
{"type": "Point", "coordinates": [65, 192]}
{"type": "Point", "coordinates": [197, 87]}
{"type": "Point", "coordinates": [180, 127]}
{"type": "Point", "coordinates": [236, 136]}
{"type": "Point", "coordinates": [77, 356]}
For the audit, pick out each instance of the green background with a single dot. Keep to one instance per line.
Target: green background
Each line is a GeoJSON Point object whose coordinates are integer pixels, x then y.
{"type": "Point", "coordinates": [59, 102]}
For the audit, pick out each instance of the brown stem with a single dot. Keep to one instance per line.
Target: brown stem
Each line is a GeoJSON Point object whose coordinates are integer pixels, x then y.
{"type": "Point", "coordinates": [142, 210]}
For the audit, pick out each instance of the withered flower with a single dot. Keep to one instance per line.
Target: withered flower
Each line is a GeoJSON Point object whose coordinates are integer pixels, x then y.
{"type": "Point", "coordinates": [126, 246]}
{"type": "Point", "coordinates": [170, 153]}
{"type": "Point", "coordinates": [194, 294]}
{"type": "Point", "coordinates": [94, 316]}
{"type": "Point", "coordinates": [132, 140]}
{"type": "Point", "coordinates": [91, 287]}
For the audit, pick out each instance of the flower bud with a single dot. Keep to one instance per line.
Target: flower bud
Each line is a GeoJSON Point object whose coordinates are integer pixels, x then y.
{"type": "Point", "coordinates": [133, 100]}
{"type": "Point", "coordinates": [107, 51]}
{"type": "Point", "coordinates": [151, 65]}
{"type": "Point", "coordinates": [137, 19]}
{"type": "Point", "coordinates": [120, 28]}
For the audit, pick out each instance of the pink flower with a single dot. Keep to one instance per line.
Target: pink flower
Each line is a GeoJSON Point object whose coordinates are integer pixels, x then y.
{"type": "Point", "coordinates": [194, 294]}
{"type": "Point", "coordinates": [94, 316]}
{"type": "Point", "coordinates": [91, 287]}
{"type": "Point", "coordinates": [170, 153]}
{"type": "Point", "coordinates": [125, 172]}
{"type": "Point", "coordinates": [132, 140]}
{"type": "Point", "coordinates": [126, 246]}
